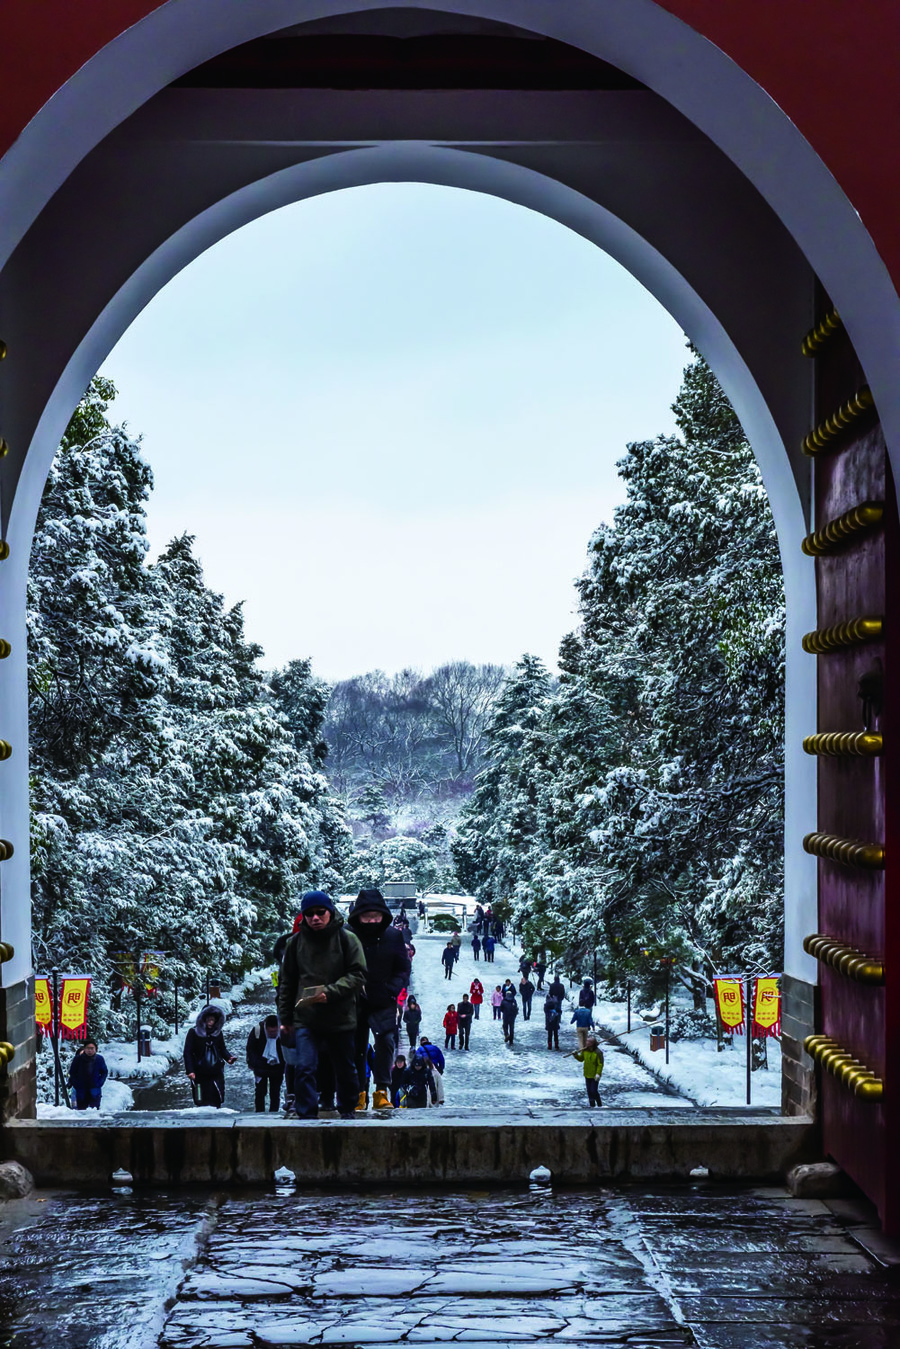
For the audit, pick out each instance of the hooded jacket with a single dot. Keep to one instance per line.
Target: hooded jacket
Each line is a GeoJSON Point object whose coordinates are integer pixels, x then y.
{"type": "Point", "coordinates": [387, 959]}
{"type": "Point", "coordinates": [205, 1050]}
{"type": "Point", "coordinates": [257, 1062]}
{"type": "Point", "coordinates": [333, 958]}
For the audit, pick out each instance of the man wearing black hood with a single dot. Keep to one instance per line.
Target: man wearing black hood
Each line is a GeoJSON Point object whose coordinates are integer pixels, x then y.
{"type": "Point", "coordinates": [387, 974]}
{"type": "Point", "coordinates": [323, 972]}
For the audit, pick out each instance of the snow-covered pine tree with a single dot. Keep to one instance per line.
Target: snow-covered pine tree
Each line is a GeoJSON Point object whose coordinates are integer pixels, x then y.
{"type": "Point", "coordinates": [176, 805]}
{"type": "Point", "coordinates": [656, 768]}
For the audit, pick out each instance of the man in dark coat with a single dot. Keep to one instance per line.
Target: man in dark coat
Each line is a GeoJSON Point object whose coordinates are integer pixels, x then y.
{"type": "Point", "coordinates": [586, 996]}
{"type": "Point", "coordinates": [540, 969]}
{"type": "Point", "coordinates": [323, 973]}
{"type": "Point", "coordinates": [557, 989]}
{"type": "Point", "coordinates": [265, 1059]}
{"type": "Point", "coordinates": [205, 1056]}
{"type": "Point", "coordinates": [509, 1010]}
{"type": "Point", "coordinates": [417, 1084]}
{"type": "Point", "coordinates": [465, 1011]}
{"type": "Point", "coordinates": [87, 1075]}
{"type": "Point", "coordinates": [387, 974]}
{"type": "Point", "coordinates": [487, 946]}
{"type": "Point", "coordinates": [526, 989]}
{"type": "Point", "coordinates": [448, 959]}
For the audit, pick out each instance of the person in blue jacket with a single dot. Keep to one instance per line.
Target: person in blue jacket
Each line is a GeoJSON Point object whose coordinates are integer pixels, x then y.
{"type": "Point", "coordinates": [584, 1021]}
{"type": "Point", "coordinates": [488, 947]}
{"type": "Point", "coordinates": [87, 1074]}
{"type": "Point", "coordinates": [438, 1063]}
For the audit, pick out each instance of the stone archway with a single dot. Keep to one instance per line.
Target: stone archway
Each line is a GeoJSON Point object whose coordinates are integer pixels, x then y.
{"type": "Point", "coordinates": [179, 167]}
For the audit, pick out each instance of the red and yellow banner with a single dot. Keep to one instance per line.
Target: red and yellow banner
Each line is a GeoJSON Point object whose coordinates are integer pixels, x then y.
{"type": "Point", "coordinates": [767, 1006]}
{"type": "Point", "coordinates": [730, 1004]}
{"type": "Point", "coordinates": [73, 1007]}
{"type": "Point", "coordinates": [43, 1005]}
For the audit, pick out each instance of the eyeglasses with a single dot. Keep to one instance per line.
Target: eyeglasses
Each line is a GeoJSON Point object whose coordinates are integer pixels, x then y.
{"type": "Point", "coordinates": [315, 913]}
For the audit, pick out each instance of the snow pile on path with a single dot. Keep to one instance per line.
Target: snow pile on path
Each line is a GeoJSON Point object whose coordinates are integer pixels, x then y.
{"type": "Point", "coordinates": [116, 1098]}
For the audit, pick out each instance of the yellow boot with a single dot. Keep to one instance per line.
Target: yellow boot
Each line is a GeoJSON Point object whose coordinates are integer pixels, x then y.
{"type": "Point", "coordinates": [363, 1102]}
{"type": "Point", "coordinates": [382, 1100]}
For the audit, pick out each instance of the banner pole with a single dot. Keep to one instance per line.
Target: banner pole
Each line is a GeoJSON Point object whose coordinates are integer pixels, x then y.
{"type": "Point", "coordinates": [667, 1008]}
{"type": "Point", "coordinates": [176, 1006]}
{"type": "Point", "coordinates": [749, 1034]}
{"type": "Point", "coordinates": [137, 998]}
{"type": "Point", "coordinates": [54, 1025]}
{"type": "Point", "coordinates": [628, 990]}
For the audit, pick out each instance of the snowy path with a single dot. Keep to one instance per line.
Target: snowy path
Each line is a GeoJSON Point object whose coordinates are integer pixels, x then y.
{"type": "Point", "coordinates": [525, 1076]}
{"type": "Point", "coordinates": [491, 1076]}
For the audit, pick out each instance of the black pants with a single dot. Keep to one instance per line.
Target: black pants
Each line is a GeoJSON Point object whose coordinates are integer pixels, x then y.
{"type": "Point", "coordinates": [412, 1030]}
{"type": "Point", "coordinates": [449, 1041]}
{"type": "Point", "coordinates": [448, 970]}
{"type": "Point", "coordinates": [593, 1090]}
{"type": "Point", "coordinates": [526, 1009]}
{"type": "Point", "coordinates": [476, 951]}
{"type": "Point", "coordinates": [211, 1090]}
{"type": "Point", "coordinates": [496, 1013]}
{"type": "Point", "coordinates": [385, 1046]}
{"type": "Point", "coordinates": [489, 957]}
{"type": "Point", "coordinates": [339, 1046]}
{"type": "Point", "coordinates": [509, 1029]}
{"type": "Point", "coordinates": [269, 1084]}
{"type": "Point", "coordinates": [465, 1028]}
{"type": "Point", "coordinates": [553, 1037]}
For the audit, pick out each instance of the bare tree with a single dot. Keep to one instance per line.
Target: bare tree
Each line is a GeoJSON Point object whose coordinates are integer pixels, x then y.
{"type": "Point", "coordinates": [461, 696]}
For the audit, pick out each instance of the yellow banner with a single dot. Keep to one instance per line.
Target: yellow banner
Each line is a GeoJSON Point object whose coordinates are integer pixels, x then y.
{"type": "Point", "coordinates": [73, 1005]}
{"type": "Point", "coordinates": [43, 1005]}
{"type": "Point", "coordinates": [767, 1003]}
{"type": "Point", "coordinates": [730, 1002]}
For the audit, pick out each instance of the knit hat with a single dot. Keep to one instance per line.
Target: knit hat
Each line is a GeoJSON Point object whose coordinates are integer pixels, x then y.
{"type": "Point", "coordinates": [316, 899]}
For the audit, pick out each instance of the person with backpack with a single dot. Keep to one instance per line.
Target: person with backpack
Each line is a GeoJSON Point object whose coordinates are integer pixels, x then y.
{"type": "Point", "coordinates": [509, 1010]}
{"type": "Point", "coordinates": [265, 1059]}
{"type": "Point", "coordinates": [378, 1012]}
{"type": "Point", "coordinates": [526, 991]}
{"type": "Point", "coordinates": [525, 966]}
{"type": "Point", "coordinates": [591, 1056]}
{"type": "Point", "coordinates": [540, 969]}
{"type": "Point", "coordinates": [487, 946]}
{"type": "Point", "coordinates": [496, 1000]}
{"type": "Point", "coordinates": [205, 1056]}
{"type": "Point", "coordinates": [584, 1021]}
{"type": "Point", "coordinates": [324, 972]}
{"type": "Point", "coordinates": [552, 1018]}
{"type": "Point", "coordinates": [417, 1084]}
{"type": "Point", "coordinates": [476, 995]}
{"type": "Point", "coordinates": [476, 944]}
{"type": "Point", "coordinates": [451, 1026]}
{"type": "Point", "coordinates": [412, 1019]}
{"type": "Point", "coordinates": [464, 1014]}
{"type": "Point", "coordinates": [448, 959]}
{"type": "Point", "coordinates": [438, 1063]}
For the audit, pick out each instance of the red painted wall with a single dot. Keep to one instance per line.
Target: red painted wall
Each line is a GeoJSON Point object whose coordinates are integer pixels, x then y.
{"type": "Point", "coordinates": [831, 65]}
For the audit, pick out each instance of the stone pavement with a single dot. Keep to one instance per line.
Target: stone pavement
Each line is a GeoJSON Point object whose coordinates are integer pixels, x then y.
{"type": "Point", "coordinates": [692, 1264]}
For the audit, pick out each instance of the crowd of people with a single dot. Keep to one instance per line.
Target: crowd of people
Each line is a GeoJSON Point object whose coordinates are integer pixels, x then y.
{"type": "Point", "coordinates": [343, 1001]}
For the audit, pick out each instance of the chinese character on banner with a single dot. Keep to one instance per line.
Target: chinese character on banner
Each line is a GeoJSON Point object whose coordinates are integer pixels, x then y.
{"type": "Point", "coordinates": [767, 1006]}
{"type": "Point", "coordinates": [43, 1005]}
{"type": "Point", "coordinates": [126, 967]}
{"type": "Point", "coordinates": [73, 1007]}
{"type": "Point", "coordinates": [150, 969]}
{"type": "Point", "coordinates": [730, 1002]}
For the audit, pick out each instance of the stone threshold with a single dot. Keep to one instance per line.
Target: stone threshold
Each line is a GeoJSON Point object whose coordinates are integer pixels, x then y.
{"type": "Point", "coordinates": [577, 1148]}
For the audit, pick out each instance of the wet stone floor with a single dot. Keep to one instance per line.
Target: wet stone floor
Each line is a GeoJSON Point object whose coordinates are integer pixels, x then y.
{"type": "Point", "coordinates": [650, 1269]}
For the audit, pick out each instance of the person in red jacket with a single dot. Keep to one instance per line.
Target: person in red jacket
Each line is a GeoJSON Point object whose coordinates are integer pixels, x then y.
{"type": "Point", "coordinates": [476, 996]}
{"type": "Point", "coordinates": [451, 1026]}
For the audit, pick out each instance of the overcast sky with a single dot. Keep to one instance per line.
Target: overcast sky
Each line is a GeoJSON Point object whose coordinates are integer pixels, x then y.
{"type": "Point", "coordinates": [391, 417]}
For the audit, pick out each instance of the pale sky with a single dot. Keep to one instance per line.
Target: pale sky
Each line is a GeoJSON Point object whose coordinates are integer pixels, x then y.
{"type": "Point", "coordinates": [391, 417]}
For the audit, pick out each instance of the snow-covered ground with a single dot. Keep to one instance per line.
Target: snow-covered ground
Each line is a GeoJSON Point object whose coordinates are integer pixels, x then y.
{"type": "Point", "coordinates": [695, 1067]}
{"type": "Point", "coordinates": [122, 1061]}
{"type": "Point", "coordinates": [525, 1076]}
